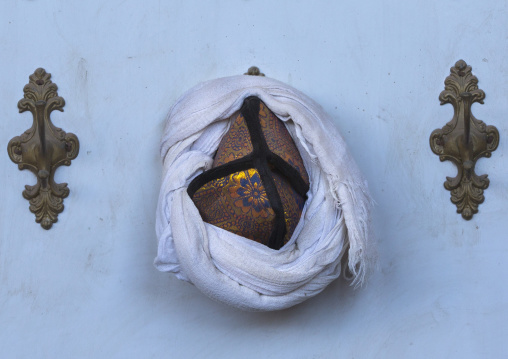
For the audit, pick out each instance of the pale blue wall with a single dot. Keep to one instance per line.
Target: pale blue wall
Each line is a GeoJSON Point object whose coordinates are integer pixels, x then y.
{"type": "Point", "coordinates": [87, 287]}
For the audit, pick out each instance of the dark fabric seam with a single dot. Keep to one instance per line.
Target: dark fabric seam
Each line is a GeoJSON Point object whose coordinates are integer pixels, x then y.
{"type": "Point", "coordinates": [290, 173]}
{"type": "Point", "coordinates": [224, 170]}
{"type": "Point", "coordinates": [260, 158]}
{"type": "Point", "coordinates": [250, 111]}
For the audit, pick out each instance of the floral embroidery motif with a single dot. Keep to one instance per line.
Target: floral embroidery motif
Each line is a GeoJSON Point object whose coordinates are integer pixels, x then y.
{"type": "Point", "coordinates": [225, 203]}
{"type": "Point", "coordinates": [249, 194]}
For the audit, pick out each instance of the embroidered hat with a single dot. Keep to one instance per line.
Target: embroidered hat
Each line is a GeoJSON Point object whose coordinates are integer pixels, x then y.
{"type": "Point", "coordinates": [258, 183]}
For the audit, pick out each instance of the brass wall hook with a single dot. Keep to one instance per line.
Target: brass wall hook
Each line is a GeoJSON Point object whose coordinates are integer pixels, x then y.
{"type": "Point", "coordinates": [464, 140]}
{"type": "Point", "coordinates": [43, 148]}
{"type": "Point", "coordinates": [254, 71]}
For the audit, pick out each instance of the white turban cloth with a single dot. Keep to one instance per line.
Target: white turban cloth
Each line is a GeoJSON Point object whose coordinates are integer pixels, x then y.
{"type": "Point", "coordinates": [236, 270]}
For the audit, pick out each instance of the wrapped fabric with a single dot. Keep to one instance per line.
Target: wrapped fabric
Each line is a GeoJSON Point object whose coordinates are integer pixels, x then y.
{"type": "Point", "coordinates": [237, 270]}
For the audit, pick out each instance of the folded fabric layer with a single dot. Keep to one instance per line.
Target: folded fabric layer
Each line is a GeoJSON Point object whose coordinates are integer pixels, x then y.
{"type": "Point", "coordinates": [234, 269]}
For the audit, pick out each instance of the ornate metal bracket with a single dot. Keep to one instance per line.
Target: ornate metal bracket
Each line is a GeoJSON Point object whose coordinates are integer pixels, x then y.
{"type": "Point", "coordinates": [43, 148]}
{"type": "Point", "coordinates": [464, 140]}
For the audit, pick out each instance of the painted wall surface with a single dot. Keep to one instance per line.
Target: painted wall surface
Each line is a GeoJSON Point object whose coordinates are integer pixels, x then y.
{"type": "Point", "coordinates": [87, 287]}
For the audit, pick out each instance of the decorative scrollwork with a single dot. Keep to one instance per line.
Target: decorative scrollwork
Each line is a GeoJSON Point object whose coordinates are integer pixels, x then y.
{"type": "Point", "coordinates": [464, 140]}
{"type": "Point", "coordinates": [43, 148]}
